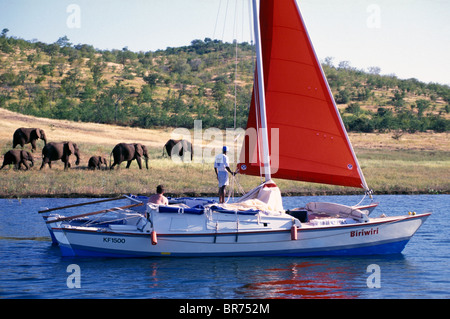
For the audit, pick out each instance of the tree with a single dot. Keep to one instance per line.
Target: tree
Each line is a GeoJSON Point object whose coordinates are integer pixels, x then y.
{"type": "Point", "coordinates": [151, 80]}
{"type": "Point", "coordinates": [145, 95]}
{"type": "Point", "coordinates": [63, 42]}
{"type": "Point", "coordinates": [353, 108]}
{"type": "Point", "coordinates": [328, 61]}
{"type": "Point", "coordinates": [4, 32]}
{"type": "Point", "coordinates": [343, 96]}
{"type": "Point", "coordinates": [374, 70]}
{"type": "Point", "coordinates": [345, 65]}
{"type": "Point", "coordinates": [359, 123]}
{"type": "Point", "coordinates": [125, 55]}
{"type": "Point", "coordinates": [219, 90]}
{"type": "Point", "coordinates": [422, 105]}
{"type": "Point", "coordinates": [117, 95]}
{"type": "Point", "coordinates": [397, 100]}
{"type": "Point", "coordinates": [97, 72]}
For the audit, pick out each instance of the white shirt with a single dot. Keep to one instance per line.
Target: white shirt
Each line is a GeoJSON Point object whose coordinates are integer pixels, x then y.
{"type": "Point", "coordinates": [221, 162]}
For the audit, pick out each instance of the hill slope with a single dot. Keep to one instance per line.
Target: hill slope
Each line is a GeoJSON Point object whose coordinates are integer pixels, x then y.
{"type": "Point", "coordinates": [174, 86]}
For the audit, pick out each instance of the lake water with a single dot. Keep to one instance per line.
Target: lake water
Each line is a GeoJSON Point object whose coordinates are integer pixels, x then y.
{"type": "Point", "coordinates": [32, 268]}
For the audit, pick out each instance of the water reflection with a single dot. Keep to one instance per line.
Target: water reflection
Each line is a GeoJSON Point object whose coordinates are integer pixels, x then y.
{"type": "Point", "coordinates": [260, 278]}
{"type": "Point", "coordinates": [303, 280]}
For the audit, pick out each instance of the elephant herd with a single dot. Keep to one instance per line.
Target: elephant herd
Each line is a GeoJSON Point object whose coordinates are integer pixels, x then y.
{"type": "Point", "coordinates": [52, 151]}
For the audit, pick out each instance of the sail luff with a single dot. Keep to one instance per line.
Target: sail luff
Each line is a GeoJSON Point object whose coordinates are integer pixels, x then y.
{"type": "Point", "coordinates": [261, 94]}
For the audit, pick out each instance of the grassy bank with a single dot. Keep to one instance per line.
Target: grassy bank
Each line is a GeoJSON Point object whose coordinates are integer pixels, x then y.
{"type": "Point", "coordinates": [415, 163]}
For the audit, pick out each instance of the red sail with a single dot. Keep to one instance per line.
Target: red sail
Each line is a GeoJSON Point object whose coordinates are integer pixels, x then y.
{"type": "Point", "coordinates": [312, 144]}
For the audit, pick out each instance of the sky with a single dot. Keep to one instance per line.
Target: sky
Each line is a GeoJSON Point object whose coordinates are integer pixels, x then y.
{"type": "Point", "coordinates": [408, 38]}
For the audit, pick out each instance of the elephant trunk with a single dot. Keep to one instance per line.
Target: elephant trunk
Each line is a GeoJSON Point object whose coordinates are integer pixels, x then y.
{"type": "Point", "coordinates": [77, 162]}
{"type": "Point", "coordinates": [42, 136]}
{"type": "Point", "coordinates": [146, 162]}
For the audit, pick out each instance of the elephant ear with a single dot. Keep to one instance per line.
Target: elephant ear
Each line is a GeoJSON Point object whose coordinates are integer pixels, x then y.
{"type": "Point", "coordinates": [35, 133]}
{"type": "Point", "coordinates": [138, 149]}
{"type": "Point", "coordinates": [68, 148]}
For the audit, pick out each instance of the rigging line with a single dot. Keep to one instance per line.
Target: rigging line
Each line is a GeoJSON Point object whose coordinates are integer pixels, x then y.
{"type": "Point", "coordinates": [217, 19]}
{"type": "Point", "coordinates": [235, 21]}
{"type": "Point", "coordinates": [250, 22]}
{"type": "Point", "coordinates": [258, 139]}
{"type": "Point", "coordinates": [235, 63]}
{"type": "Point", "coordinates": [225, 20]}
{"type": "Point", "coordinates": [361, 200]}
{"type": "Point", "coordinates": [235, 88]}
{"type": "Point", "coordinates": [242, 22]}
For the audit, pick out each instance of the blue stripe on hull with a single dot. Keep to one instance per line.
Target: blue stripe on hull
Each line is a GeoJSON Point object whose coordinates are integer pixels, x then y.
{"type": "Point", "coordinates": [79, 252]}
{"type": "Point", "coordinates": [386, 248]}
{"type": "Point", "coordinates": [382, 249]}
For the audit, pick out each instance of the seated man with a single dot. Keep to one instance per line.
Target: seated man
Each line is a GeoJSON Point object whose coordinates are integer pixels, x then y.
{"type": "Point", "coordinates": [159, 198]}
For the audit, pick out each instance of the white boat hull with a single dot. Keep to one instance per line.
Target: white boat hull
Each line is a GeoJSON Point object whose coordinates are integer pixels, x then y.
{"type": "Point", "coordinates": [386, 235]}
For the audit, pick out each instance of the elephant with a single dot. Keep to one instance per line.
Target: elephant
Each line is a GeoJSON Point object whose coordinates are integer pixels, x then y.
{"type": "Point", "coordinates": [96, 162]}
{"type": "Point", "coordinates": [18, 157]}
{"type": "Point", "coordinates": [60, 151]}
{"type": "Point", "coordinates": [179, 147]}
{"type": "Point", "coordinates": [25, 135]}
{"type": "Point", "coordinates": [128, 152]}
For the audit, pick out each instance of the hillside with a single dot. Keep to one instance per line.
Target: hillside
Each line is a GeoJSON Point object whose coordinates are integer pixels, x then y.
{"type": "Point", "coordinates": [170, 88]}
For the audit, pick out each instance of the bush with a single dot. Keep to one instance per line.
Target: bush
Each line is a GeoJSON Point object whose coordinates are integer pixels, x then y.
{"type": "Point", "coordinates": [359, 124]}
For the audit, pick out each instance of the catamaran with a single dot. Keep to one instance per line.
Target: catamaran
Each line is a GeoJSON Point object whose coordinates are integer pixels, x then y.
{"type": "Point", "coordinates": [299, 136]}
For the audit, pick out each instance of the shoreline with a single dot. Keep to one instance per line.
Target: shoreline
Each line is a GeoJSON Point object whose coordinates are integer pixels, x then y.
{"type": "Point", "coordinates": [203, 195]}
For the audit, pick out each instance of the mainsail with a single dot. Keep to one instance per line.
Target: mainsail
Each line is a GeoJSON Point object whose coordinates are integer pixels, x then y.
{"type": "Point", "coordinates": [307, 138]}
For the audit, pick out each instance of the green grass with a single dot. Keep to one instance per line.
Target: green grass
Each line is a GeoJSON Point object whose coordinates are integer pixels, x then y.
{"type": "Point", "coordinates": [396, 172]}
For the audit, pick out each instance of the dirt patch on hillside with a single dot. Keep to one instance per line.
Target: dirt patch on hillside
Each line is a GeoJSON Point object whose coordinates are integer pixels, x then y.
{"type": "Point", "coordinates": [91, 133]}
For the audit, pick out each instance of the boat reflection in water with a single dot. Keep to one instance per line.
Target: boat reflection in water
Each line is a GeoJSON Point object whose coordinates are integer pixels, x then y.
{"type": "Point", "coordinates": [255, 278]}
{"type": "Point", "coordinates": [304, 280]}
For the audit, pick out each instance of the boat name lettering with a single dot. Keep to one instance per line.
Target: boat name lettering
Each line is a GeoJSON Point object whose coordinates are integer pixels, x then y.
{"type": "Point", "coordinates": [114, 240]}
{"type": "Point", "coordinates": [364, 232]}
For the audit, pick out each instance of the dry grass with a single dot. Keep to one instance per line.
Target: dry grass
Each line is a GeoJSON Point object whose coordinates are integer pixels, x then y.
{"type": "Point", "coordinates": [417, 141]}
{"type": "Point", "coordinates": [415, 163]}
{"type": "Point", "coordinates": [79, 132]}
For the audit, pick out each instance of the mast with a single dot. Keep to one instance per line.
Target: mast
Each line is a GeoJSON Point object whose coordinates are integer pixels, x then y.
{"type": "Point", "coordinates": [261, 94]}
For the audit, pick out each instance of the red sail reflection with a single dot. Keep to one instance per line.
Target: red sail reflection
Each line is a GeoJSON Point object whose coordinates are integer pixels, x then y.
{"type": "Point", "coordinates": [306, 281]}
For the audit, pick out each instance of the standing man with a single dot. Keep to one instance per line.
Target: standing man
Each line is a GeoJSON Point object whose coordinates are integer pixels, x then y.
{"type": "Point", "coordinates": [222, 168]}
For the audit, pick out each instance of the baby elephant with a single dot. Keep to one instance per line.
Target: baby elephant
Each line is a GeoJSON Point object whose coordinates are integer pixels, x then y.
{"type": "Point", "coordinates": [18, 157]}
{"type": "Point", "coordinates": [96, 162]}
